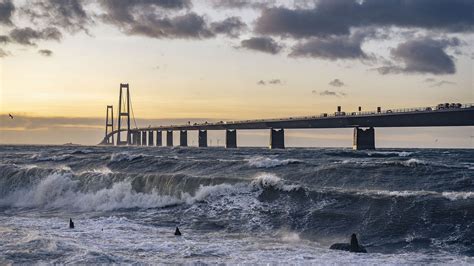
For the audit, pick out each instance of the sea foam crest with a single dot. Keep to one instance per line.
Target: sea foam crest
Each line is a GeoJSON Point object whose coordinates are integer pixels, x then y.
{"type": "Point", "coordinates": [458, 195]}
{"type": "Point", "coordinates": [264, 162]}
{"type": "Point", "coordinates": [124, 156]}
{"type": "Point", "coordinates": [60, 190]}
{"type": "Point", "coordinates": [269, 180]}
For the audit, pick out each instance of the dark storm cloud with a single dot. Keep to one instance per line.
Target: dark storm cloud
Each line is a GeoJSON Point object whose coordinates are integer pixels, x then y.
{"type": "Point", "coordinates": [66, 14]}
{"type": "Point", "coordinates": [337, 17]}
{"type": "Point", "coordinates": [6, 11]}
{"type": "Point", "coordinates": [336, 83]}
{"type": "Point", "coordinates": [242, 4]}
{"type": "Point", "coordinates": [153, 19]}
{"type": "Point", "coordinates": [231, 27]}
{"type": "Point", "coordinates": [29, 36]}
{"type": "Point", "coordinates": [424, 56]}
{"type": "Point", "coordinates": [262, 44]}
{"type": "Point", "coordinates": [331, 48]}
{"type": "Point", "coordinates": [45, 52]}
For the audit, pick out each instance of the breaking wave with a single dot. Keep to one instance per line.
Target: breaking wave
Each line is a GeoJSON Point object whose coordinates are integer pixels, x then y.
{"type": "Point", "coordinates": [263, 162]}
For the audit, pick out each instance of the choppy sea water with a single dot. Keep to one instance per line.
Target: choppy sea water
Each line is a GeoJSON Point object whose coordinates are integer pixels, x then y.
{"type": "Point", "coordinates": [247, 205]}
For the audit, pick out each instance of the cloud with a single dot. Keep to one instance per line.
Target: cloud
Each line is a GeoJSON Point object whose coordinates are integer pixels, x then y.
{"type": "Point", "coordinates": [45, 52]}
{"type": "Point", "coordinates": [4, 39]}
{"type": "Point", "coordinates": [270, 82]}
{"type": "Point", "coordinates": [262, 44]}
{"type": "Point", "coordinates": [65, 14]}
{"type": "Point", "coordinates": [231, 27]}
{"type": "Point", "coordinates": [337, 17]}
{"type": "Point", "coordinates": [422, 56]}
{"type": "Point", "coordinates": [239, 4]}
{"type": "Point", "coordinates": [29, 36]}
{"type": "Point", "coordinates": [336, 83]}
{"type": "Point", "coordinates": [430, 80]}
{"type": "Point", "coordinates": [331, 48]}
{"type": "Point", "coordinates": [3, 53]}
{"type": "Point", "coordinates": [442, 83]}
{"type": "Point", "coordinates": [152, 18]}
{"type": "Point", "coordinates": [6, 11]}
{"type": "Point", "coordinates": [329, 93]}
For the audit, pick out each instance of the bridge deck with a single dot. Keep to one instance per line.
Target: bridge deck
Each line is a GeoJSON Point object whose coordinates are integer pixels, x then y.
{"type": "Point", "coordinates": [415, 117]}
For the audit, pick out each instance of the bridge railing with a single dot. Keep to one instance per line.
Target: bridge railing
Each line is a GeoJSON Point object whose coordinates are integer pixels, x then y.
{"type": "Point", "coordinates": [361, 113]}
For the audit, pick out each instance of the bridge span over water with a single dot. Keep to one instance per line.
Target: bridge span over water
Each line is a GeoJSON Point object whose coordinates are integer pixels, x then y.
{"type": "Point", "coordinates": [443, 115]}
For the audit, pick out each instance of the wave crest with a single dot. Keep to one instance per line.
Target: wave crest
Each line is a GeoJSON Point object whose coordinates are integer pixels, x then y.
{"type": "Point", "coordinates": [264, 162]}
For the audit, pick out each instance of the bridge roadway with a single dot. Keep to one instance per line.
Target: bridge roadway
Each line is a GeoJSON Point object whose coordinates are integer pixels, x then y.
{"type": "Point", "coordinates": [363, 139]}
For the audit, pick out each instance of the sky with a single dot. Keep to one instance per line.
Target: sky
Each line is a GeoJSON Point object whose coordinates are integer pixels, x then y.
{"type": "Point", "coordinates": [61, 63]}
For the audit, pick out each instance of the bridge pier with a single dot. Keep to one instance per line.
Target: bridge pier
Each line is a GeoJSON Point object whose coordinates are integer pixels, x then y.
{"type": "Point", "coordinates": [143, 138]}
{"type": "Point", "coordinates": [150, 138]}
{"type": "Point", "coordinates": [136, 139]}
{"type": "Point", "coordinates": [364, 139]}
{"type": "Point", "coordinates": [202, 138]}
{"type": "Point", "coordinates": [277, 138]}
{"type": "Point", "coordinates": [230, 138]}
{"type": "Point", "coordinates": [183, 138]}
{"type": "Point", "coordinates": [159, 138]}
{"type": "Point", "coordinates": [169, 138]}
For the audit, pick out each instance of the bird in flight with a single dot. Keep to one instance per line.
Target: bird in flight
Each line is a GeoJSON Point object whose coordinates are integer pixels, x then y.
{"type": "Point", "coordinates": [11, 116]}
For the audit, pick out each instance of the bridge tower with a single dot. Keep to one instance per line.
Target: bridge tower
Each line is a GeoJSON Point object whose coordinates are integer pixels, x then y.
{"type": "Point", "coordinates": [109, 124]}
{"type": "Point", "coordinates": [124, 112]}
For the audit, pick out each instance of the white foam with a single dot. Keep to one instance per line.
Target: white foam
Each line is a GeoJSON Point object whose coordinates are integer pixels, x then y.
{"type": "Point", "coordinates": [42, 157]}
{"type": "Point", "coordinates": [397, 153]}
{"type": "Point", "coordinates": [458, 195]}
{"type": "Point", "coordinates": [451, 195]}
{"type": "Point", "coordinates": [267, 180]}
{"type": "Point", "coordinates": [208, 191]}
{"type": "Point", "coordinates": [124, 156]}
{"type": "Point", "coordinates": [264, 162]}
{"type": "Point", "coordinates": [104, 170]}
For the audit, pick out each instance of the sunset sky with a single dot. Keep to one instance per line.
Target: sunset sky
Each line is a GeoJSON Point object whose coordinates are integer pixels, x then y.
{"type": "Point", "coordinates": [61, 63]}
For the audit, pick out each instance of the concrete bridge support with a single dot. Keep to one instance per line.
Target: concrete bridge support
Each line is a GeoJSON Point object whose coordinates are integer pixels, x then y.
{"type": "Point", "coordinates": [159, 138]}
{"type": "Point", "coordinates": [169, 138]}
{"type": "Point", "coordinates": [364, 139]}
{"type": "Point", "coordinates": [150, 138]}
{"type": "Point", "coordinates": [138, 138]}
{"type": "Point", "coordinates": [143, 138]}
{"type": "Point", "coordinates": [134, 138]}
{"type": "Point", "coordinates": [202, 138]}
{"type": "Point", "coordinates": [277, 138]}
{"type": "Point", "coordinates": [231, 138]}
{"type": "Point", "coordinates": [183, 138]}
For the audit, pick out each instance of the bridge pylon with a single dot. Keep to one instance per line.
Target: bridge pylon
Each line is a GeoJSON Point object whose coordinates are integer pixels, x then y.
{"type": "Point", "coordinates": [124, 112]}
{"type": "Point", "coordinates": [109, 125]}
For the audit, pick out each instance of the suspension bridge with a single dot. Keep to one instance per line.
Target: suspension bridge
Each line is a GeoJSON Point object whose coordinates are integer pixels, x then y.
{"type": "Point", "coordinates": [363, 123]}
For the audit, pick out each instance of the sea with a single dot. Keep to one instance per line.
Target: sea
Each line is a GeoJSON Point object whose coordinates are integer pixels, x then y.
{"type": "Point", "coordinates": [235, 206]}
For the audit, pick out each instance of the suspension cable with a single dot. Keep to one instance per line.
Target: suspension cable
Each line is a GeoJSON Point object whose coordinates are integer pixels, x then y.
{"type": "Point", "coordinates": [133, 114]}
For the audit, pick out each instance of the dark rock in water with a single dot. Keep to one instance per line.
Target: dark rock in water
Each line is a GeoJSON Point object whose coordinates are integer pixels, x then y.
{"type": "Point", "coordinates": [71, 223]}
{"type": "Point", "coordinates": [177, 232]}
{"type": "Point", "coordinates": [351, 247]}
